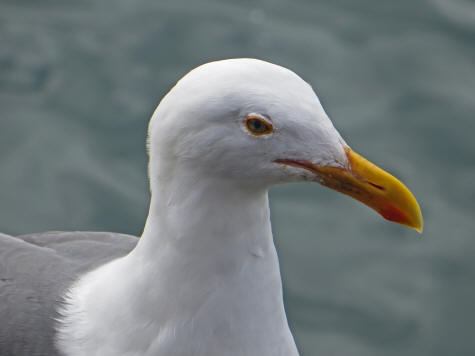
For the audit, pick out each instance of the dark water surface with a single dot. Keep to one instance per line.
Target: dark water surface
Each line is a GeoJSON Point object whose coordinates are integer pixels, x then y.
{"type": "Point", "coordinates": [80, 79]}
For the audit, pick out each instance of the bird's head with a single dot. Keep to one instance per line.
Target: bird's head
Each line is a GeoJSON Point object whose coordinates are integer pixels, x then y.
{"type": "Point", "coordinates": [260, 124]}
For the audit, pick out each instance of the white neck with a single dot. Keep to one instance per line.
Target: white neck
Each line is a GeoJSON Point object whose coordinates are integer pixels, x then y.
{"type": "Point", "coordinates": [204, 279]}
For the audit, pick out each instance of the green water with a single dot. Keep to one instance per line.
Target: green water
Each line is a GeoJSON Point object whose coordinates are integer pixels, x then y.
{"type": "Point", "coordinates": [79, 80]}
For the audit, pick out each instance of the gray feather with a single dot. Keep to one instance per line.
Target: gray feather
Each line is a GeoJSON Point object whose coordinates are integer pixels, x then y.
{"type": "Point", "coordinates": [35, 270]}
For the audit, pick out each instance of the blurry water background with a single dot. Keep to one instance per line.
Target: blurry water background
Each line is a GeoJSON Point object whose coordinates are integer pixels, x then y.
{"type": "Point", "coordinates": [80, 79]}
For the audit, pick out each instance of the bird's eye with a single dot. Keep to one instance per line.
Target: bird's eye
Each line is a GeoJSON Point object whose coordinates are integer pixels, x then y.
{"type": "Point", "coordinates": [258, 126]}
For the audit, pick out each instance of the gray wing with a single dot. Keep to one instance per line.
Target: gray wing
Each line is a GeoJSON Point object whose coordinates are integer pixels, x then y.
{"type": "Point", "coordinates": [35, 270]}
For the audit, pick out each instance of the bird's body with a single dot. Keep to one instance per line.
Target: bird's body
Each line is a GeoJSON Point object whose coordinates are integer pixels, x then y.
{"type": "Point", "coordinates": [204, 277]}
{"type": "Point", "coordinates": [213, 289]}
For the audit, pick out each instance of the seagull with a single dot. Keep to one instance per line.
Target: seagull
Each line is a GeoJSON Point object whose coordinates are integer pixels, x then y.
{"type": "Point", "coordinates": [204, 277]}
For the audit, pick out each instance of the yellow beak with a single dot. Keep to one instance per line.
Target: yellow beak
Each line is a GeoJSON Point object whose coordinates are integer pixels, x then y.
{"type": "Point", "coordinates": [372, 186]}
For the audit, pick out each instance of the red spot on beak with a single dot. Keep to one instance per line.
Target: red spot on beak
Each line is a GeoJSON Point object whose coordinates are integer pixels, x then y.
{"type": "Point", "coordinates": [391, 213]}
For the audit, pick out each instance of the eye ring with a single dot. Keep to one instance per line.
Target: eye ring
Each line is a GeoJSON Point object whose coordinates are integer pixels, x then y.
{"type": "Point", "coordinates": [257, 126]}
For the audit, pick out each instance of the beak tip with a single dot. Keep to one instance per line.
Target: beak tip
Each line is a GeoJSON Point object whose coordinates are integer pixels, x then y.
{"type": "Point", "coordinates": [420, 227]}
{"type": "Point", "coordinates": [418, 224]}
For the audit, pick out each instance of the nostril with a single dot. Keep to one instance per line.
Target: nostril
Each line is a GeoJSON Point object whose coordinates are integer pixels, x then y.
{"type": "Point", "coordinates": [376, 186]}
